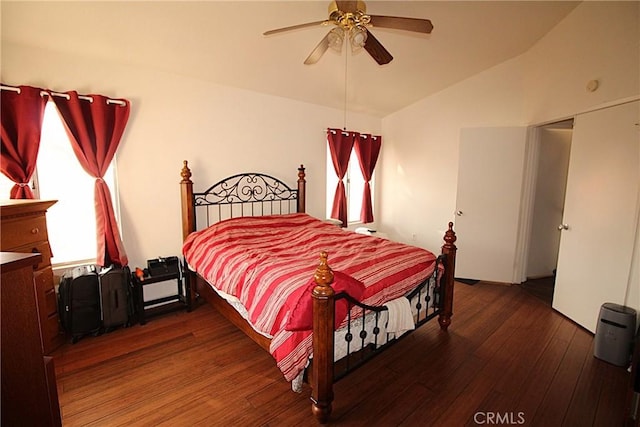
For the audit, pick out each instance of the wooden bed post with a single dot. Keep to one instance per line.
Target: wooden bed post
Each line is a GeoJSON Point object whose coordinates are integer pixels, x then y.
{"type": "Point", "coordinates": [449, 250]}
{"type": "Point", "coordinates": [302, 189]}
{"type": "Point", "coordinates": [186, 195]}
{"type": "Point", "coordinates": [188, 226]}
{"type": "Point", "coordinates": [323, 325]}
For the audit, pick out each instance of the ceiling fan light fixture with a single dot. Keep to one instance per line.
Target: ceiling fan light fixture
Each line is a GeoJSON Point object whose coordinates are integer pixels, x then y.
{"type": "Point", "coordinates": [351, 20]}
{"type": "Point", "coordinates": [336, 39]}
{"type": "Point", "coordinates": [358, 38]}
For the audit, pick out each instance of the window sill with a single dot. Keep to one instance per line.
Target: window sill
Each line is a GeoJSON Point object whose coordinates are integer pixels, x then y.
{"type": "Point", "coordinates": [60, 268]}
{"type": "Point", "coordinates": [370, 232]}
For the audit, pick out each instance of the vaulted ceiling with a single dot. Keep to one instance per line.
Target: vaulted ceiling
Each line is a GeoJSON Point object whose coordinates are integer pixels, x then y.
{"type": "Point", "coordinates": [222, 42]}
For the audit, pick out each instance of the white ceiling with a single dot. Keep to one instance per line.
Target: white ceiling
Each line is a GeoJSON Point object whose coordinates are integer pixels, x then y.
{"type": "Point", "coordinates": [222, 42]}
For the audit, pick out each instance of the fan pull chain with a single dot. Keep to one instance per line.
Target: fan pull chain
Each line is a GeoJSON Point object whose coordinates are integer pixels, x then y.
{"type": "Point", "coordinates": [346, 56]}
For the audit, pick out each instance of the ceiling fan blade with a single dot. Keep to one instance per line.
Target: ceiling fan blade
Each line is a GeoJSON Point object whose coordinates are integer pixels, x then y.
{"type": "Point", "coordinates": [376, 50]}
{"type": "Point", "coordinates": [408, 24]}
{"type": "Point", "coordinates": [319, 50]}
{"type": "Point", "coordinates": [347, 6]}
{"type": "Point", "coordinates": [293, 27]}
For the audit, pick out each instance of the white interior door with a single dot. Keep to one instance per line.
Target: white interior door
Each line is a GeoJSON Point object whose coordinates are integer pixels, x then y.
{"type": "Point", "coordinates": [490, 174]}
{"type": "Point", "coordinates": [600, 213]}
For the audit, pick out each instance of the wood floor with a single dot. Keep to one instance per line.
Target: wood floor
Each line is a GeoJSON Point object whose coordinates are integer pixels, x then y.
{"type": "Point", "coordinates": [507, 354]}
{"type": "Point", "coordinates": [542, 288]}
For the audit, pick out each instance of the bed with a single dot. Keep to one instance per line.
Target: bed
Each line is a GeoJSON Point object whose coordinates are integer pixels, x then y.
{"type": "Point", "coordinates": [321, 299]}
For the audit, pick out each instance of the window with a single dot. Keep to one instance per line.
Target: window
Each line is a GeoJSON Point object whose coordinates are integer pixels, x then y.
{"type": "Point", "coordinates": [71, 222]}
{"type": "Point", "coordinates": [354, 187]}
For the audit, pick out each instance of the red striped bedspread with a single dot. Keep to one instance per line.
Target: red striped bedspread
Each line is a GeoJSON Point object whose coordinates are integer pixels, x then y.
{"type": "Point", "coordinates": [263, 260]}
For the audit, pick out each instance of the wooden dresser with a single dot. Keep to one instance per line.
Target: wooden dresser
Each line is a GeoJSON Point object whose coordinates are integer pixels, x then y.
{"type": "Point", "coordinates": [24, 229]}
{"type": "Point", "coordinates": [29, 389]}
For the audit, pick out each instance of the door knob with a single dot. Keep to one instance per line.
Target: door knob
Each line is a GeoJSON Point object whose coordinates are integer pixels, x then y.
{"type": "Point", "coordinates": [459, 213]}
{"type": "Point", "coordinates": [563, 227]}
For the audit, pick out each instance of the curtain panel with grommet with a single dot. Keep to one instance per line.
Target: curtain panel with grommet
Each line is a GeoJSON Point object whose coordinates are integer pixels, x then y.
{"type": "Point", "coordinates": [95, 124]}
{"type": "Point", "coordinates": [367, 149]}
{"type": "Point", "coordinates": [21, 116]}
{"type": "Point", "coordinates": [340, 146]}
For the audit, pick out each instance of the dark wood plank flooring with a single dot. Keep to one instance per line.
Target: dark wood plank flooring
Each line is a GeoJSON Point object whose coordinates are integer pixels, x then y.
{"type": "Point", "coordinates": [507, 353]}
{"type": "Point", "coordinates": [542, 288]}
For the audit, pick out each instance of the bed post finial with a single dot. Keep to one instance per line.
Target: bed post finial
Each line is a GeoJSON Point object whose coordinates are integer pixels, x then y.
{"type": "Point", "coordinates": [449, 250]}
{"type": "Point", "coordinates": [185, 173]}
{"type": "Point", "coordinates": [323, 326]}
{"type": "Point", "coordinates": [323, 275]}
{"type": "Point", "coordinates": [302, 189]}
{"type": "Point", "coordinates": [450, 237]}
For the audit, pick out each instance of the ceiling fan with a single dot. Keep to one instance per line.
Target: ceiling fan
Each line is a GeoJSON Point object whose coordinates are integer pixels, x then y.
{"type": "Point", "coordinates": [352, 21]}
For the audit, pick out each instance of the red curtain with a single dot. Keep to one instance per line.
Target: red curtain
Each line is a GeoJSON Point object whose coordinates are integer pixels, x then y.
{"type": "Point", "coordinates": [340, 146]}
{"type": "Point", "coordinates": [95, 128]}
{"type": "Point", "coordinates": [367, 149]}
{"type": "Point", "coordinates": [22, 115]}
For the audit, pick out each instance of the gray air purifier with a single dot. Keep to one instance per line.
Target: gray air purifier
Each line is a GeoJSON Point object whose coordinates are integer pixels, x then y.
{"type": "Point", "coordinates": [614, 334]}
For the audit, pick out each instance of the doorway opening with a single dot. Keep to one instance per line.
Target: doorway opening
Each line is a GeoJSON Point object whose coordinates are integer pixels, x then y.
{"type": "Point", "coordinates": [552, 147]}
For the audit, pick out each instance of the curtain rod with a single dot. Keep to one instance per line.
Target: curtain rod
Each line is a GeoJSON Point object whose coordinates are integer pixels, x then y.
{"type": "Point", "coordinates": [344, 132]}
{"type": "Point", "coordinates": [65, 95]}
{"type": "Point", "coordinates": [83, 97]}
{"type": "Point", "coordinates": [15, 89]}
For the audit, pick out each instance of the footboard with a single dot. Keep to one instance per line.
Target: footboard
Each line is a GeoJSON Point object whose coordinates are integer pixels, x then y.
{"type": "Point", "coordinates": [432, 298]}
{"type": "Point", "coordinates": [367, 335]}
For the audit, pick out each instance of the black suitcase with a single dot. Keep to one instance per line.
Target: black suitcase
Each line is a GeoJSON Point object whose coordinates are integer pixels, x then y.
{"type": "Point", "coordinates": [116, 297]}
{"type": "Point", "coordinates": [79, 302]}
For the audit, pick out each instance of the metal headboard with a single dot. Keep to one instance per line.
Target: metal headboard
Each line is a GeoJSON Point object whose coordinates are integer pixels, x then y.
{"type": "Point", "coordinates": [245, 194]}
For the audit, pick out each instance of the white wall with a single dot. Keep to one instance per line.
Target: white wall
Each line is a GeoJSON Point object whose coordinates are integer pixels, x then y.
{"type": "Point", "coordinates": [220, 130]}
{"type": "Point", "coordinates": [419, 165]}
{"type": "Point", "coordinates": [598, 40]}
